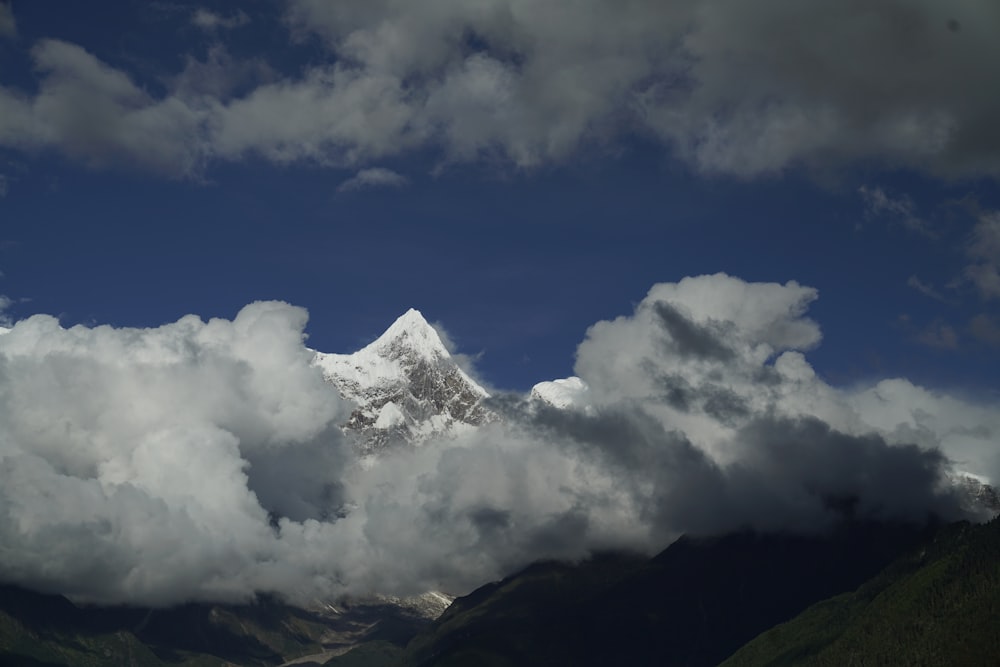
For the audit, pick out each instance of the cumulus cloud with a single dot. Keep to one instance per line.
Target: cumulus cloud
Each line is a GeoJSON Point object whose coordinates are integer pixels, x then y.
{"type": "Point", "coordinates": [764, 373]}
{"type": "Point", "coordinates": [203, 460]}
{"type": "Point", "coordinates": [376, 177]}
{"type": "Point", "coordinates": [728, 87]}
{"type": "Point", "coordinates": [136, 463]}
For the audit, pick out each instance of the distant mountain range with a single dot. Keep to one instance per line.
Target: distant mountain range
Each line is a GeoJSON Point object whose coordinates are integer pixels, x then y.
{"type": "Point", "coordinates": [905, 594]}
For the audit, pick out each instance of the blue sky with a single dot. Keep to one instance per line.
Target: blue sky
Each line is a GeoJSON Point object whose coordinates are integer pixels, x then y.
{"type": "Point", "coordinates": [515, 175]}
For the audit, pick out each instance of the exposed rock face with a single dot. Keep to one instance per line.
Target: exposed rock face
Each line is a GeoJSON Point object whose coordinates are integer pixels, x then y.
{"type": "Point", "coordinates": [978, 497]}
{"type": "Point", "coordinates": [406, 386]}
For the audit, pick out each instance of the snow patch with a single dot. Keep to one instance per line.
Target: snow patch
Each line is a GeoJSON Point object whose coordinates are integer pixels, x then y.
{"type": "Point", "coordinates": [390, 415]}
{"type": "Point", "coordinates": [565, 393]}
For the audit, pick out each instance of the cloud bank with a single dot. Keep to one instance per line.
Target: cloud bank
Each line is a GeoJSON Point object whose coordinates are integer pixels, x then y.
{"type": "Point", "coordinates": [728, 87]}
{"type": "Point", "coordinates": [203, 460]}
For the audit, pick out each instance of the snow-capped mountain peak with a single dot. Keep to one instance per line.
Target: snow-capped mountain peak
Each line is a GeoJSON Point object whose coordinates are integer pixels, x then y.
{"type": "Point", "coordinates": [410, 333]}
{"type": "Point", "coordinates": [406, 386]}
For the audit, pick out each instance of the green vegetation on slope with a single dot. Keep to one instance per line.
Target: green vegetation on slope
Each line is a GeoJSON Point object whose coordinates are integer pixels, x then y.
{"type": "Point", "coordinates": [694, 604]}
{"type": "Point", "coordinates": [39, 630]}
{"type": "Point", "coordinates": [497, 625]}
{"type": "Point", "coordinates": [938, 606]}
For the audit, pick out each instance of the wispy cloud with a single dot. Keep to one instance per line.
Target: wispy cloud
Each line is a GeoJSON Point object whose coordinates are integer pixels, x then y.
{"type": "Point", "coordinates": [900, 209]}
{"type": "Point", "coordinates": [209, 20]}
{"type": "Point", "coordinates": [375, 177]}
{"type": "Point", "coordinates": [984, 249]}
{"type": "Point", "coordinates": [925, 289]}
{"type": "Point", "coordinates": [939, 334]}
{"type": "Point", "coordinates": [467, 362]}
{"type": "Point", "coordinates": [986, 328]}
{"type": "Point", "coordinates": [8, 26]}
{"type": "Point", "coordinates": [5, 303]}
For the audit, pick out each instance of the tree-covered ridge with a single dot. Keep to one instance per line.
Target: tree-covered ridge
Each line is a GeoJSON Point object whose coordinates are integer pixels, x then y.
{"type": "Point", "coordinates": [938, 606]}
{"type": "Point", "coordinates": [694, 604]}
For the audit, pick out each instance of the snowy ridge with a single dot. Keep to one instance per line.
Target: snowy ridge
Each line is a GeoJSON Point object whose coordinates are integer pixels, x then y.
{"type": "Point", "coordinates": [561, 394]}
{"type": "Point", "coordinates": [977, 496]}
{"type": "Point", "coordinates": [406, 387]}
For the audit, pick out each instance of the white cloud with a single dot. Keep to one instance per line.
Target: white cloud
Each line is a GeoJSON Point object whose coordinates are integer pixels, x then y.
{"type": "Point", "coordinates": [735, 89]}
{"type": "Point", "coordinates": [375, 177]}
{"type": "Point", "coordinates": [96, 114]}
{"type": "Point", "coordinates": [703, 355]}
{"type": "Point", "coordinates": [142, 462]}
{"type": "Point", "coordinates": [202, 460]}
{"type": "Point", "coordinates": [728, 87]}
{"type": "Point", "coordinates": [334, 116]}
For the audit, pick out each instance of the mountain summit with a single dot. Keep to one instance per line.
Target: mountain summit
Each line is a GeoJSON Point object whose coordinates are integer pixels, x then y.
{"type": "Point", "coordinates": [406, 386]}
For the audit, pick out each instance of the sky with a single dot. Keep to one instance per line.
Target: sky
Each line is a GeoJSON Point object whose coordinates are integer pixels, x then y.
{"type": "Point", "coordinates": [539, 179]}
{"type": "Point", "coordinates": [514, 172]}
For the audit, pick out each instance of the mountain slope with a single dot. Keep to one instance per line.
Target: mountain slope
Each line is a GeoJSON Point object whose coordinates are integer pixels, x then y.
{"type": "Point", "coordinates": [38, 630]}
{"type": "Point", "coordinates": [937, 606]}
{"type": "Point", "coordinates": [406, 386]}
{"type": "Point", "coordinates": [694, 604]}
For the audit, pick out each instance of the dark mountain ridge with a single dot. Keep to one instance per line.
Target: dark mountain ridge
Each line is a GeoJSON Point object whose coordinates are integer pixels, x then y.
{"type": "Point", "coordinates": [693, 604]}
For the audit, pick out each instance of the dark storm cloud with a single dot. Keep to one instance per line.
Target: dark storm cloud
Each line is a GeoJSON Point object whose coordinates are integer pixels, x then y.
{"type": "Point", "coordinates": [804, 464]}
